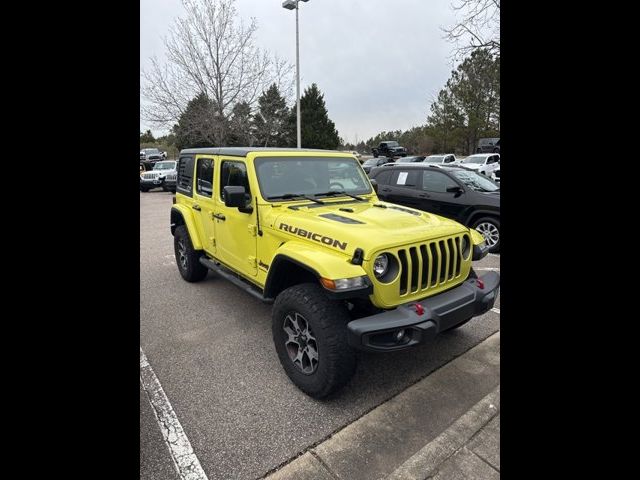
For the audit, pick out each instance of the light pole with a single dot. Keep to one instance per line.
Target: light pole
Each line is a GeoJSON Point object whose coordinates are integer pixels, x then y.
{"type": "Point", "coordinates": [293, 5]}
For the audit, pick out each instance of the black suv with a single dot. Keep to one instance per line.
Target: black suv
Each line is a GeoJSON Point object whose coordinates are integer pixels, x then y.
{"type": "Point", "coordinates": [488, 145]}
{"type": "Point", "coordinates": [453, 192]}
{"type": "Point", "coordinates": [389, 148]}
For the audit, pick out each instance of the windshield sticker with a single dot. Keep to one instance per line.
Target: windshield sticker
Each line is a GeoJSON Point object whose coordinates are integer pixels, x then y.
{"type": "Point", "coordinates": [402, 178]}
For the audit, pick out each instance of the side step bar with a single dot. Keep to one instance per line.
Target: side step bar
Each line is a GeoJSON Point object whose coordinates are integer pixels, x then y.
{"type": "Point", "coordinates": [250, 289]}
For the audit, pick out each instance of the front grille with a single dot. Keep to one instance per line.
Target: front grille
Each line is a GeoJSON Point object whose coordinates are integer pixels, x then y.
{"type": "Point", "coordinates": [149, 176]}
{"type": "Point", "coordinates": [429, 265]}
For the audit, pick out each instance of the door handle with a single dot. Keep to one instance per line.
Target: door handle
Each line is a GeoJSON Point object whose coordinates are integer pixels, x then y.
{"type": "Point", "coordinates": [196, 207]}
{"type": "Point", "coordinates": [219, 216]}
{"type": "Point", "coordinates": [385, 190]}
{"type": "Point", "coordinates": [423, 195]}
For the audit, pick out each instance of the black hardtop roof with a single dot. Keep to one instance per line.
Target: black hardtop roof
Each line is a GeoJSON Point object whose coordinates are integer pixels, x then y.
{"type": "Point", "coordinates": [244, 151]}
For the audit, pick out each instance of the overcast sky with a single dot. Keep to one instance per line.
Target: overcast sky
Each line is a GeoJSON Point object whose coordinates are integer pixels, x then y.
{"type": "Point", "coordinates": [379, 63]}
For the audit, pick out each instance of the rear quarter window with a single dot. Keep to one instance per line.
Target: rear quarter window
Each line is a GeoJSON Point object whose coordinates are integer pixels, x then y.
{"type": "Point", "coordinates": [185, 176]}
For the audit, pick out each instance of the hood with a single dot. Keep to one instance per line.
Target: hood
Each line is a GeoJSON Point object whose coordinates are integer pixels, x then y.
{"type": "Point", "coordinates": [344, 226]}
{"type": "Point", "coordinates": [471, 166]}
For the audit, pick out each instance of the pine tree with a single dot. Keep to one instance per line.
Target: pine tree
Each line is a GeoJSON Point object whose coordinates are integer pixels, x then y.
{"type": "Point", "coordinates": [200, 125]}
{"type": "Point", "coordinates": [270, 121]}
{"type": "Point", "coordinates": [240, 126]}
{"type": "Point", "coordinates": [318, 131]}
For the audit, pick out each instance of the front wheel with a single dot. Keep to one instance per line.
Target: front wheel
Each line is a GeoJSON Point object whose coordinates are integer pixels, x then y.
{"type": "Point", "coordinates": [489, 227]}
{"type": "Point", "coordinates": [310, 335]}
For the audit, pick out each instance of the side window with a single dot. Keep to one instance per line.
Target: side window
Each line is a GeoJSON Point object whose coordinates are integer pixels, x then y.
{"type": "Point", "coordinates": [204, 177]}
{"type": "Point", "coordinates": [234, 174]}
{"type": "Point", "coordinates": [405, 178]}
{"type": "Point", "coordinates": [185, 176]}
{"type": "Point", "coordinates": [383, 177]}
{"type": "Point", "coordinates": [493, 159]}
{"type": "Point", "coordinates": [436, 182]}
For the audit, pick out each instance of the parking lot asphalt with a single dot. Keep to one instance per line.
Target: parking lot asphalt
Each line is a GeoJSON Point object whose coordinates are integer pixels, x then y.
{"type": "Point", "coordinates": [210, 346]}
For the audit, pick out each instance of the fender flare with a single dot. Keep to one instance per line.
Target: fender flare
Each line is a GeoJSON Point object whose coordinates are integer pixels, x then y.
{"type": "Point", "coordinates": [312, 259]}
{"type": "Point", "coordinates": [181, 215]}
{"type": "Point", "coordinates": [480, 213]}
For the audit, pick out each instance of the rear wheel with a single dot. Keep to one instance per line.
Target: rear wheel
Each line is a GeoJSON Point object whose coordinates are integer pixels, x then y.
{"type": "Point", "coordinates": [310, 335]}
{"type": "Point", "coordinates": [187, 258]}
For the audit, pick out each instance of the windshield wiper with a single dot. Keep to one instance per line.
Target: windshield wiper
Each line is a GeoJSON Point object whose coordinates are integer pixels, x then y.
{"type": "Point", "coordinates": [294, 195]}
{"type": "Point", "coordinates": [341, 192]}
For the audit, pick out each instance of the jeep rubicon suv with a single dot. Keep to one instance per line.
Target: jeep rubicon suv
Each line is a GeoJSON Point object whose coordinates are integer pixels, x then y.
{"type": "Point", "coordinates": [389, 149]}
{"type": "Point", "coordinates": [163, 175]}
{"type": "Point", "coordinates": [304, 230]}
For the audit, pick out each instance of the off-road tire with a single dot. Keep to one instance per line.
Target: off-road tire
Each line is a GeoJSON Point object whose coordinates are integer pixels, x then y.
{"type": "Point", "coordinates": [144, 189]}
{"type": "Point", "coordinates": [496, 222]}
{"type": "Point", "coordinates": [328, 320]}
{"type": "Point", "coordinates": [191, 269]}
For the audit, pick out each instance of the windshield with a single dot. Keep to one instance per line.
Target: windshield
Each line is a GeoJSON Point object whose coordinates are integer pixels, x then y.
{"type": "Point", "coordinates": [151, 150]}
{"type": "Point", "coordinates": [392, 144]}
{"type": "Point", "coordinates": [475, 181]}
{"type": "Point", "coordinates": [164, 166]}
{"type": "Point", "coordinates": [293, 176]}
{"type": "Point", "coordinates": [372, 162]}
{"type": "Point", "coordinates": [409, 159]}
{"type": "Point", "coordinates": [434, 159]}
{"type": "Point", "coordinates": [474, 159]}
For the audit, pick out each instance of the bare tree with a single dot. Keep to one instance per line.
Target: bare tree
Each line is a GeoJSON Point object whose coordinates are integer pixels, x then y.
{"type": "Point", "coordinates": [478, 26]}
{"type": "Point", "coordinates": [209, 53]}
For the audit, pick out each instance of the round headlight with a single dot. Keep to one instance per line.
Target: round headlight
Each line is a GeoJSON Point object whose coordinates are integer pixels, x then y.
{"type": "Point", "coordinates": [464, 247]}
{"type": "Point", "coordinates": [380, 265]}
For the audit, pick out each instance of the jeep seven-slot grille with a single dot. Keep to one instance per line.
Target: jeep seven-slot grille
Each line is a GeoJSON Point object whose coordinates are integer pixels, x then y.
{"type": "Point", "coordinates": [429, 265]}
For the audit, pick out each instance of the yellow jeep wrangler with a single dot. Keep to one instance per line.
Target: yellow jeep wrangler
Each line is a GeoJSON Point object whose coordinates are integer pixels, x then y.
{"type": "Point", "coordinates": [304, 230]}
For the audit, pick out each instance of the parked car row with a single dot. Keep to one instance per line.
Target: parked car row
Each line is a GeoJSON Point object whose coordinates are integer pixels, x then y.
{"type": "Point", "coordinates": [452, 191]}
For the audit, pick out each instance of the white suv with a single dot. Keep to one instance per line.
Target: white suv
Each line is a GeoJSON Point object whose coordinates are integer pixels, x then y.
{"type": "Point", "coordinates": [164, 175]}
{"type": "Point", "coordinates": [484, 163]}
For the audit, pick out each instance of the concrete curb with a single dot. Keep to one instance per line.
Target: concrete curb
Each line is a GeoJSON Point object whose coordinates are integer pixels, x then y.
{"type": "Point", "coordinates": [426, 461]}
{"type": "Point", "coordinates": [434, 417]}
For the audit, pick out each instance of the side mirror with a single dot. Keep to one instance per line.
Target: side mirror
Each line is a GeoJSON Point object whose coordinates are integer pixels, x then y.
{"type": "Point", "coordinates": [234, 196]}
{"type": "Point", "coordinates": [457, 190]}
{"type": "Point", "coordinates": [374, 184]}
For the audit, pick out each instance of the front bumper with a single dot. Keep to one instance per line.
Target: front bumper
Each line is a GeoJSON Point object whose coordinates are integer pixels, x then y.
{"type": "Point", "coordinates": [378, 333]}
{"type": "Point", "coordinates": [156, 183]}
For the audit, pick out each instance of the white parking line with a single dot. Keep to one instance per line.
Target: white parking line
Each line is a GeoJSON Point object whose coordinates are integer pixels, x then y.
{"type": "Point", "coordinates": [497, 310]}
{"type": "Point", "coordinates": [184, 459]}
{"type": "Point", "coordinates": [488, 269]}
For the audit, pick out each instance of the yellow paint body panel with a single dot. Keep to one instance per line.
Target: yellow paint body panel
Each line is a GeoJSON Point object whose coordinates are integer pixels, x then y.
{"type": "Point", "coordinates": [326, 245]}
